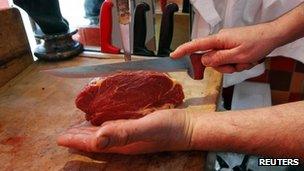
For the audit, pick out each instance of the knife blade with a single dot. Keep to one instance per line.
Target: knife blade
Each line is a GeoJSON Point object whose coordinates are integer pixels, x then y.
{"type": "Point", "coordinates": [124, 15]}
{"type": "Point", "coordinates": [190, 64]}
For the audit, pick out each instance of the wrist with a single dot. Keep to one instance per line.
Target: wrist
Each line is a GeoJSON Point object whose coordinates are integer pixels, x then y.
{"type": "Point", "coordinates": [274, 36]}
{"type": "Point", "coordinates": [279, 35]}
{"type": "Point", "coordinates": [208, 132]}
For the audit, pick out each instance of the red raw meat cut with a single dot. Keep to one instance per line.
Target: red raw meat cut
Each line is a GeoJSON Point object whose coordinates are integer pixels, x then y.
{"type": "Point", "coordinates": [127, 95]}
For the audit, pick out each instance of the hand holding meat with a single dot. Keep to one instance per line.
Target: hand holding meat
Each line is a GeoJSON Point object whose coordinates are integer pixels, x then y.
{"type": "Point", "coordinates": [165, 130]}
{"type": "Point", "coordinates": [130, 95]}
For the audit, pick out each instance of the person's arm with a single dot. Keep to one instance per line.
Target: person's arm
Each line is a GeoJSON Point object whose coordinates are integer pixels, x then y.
{"type": "Point", "coordinates": [275, 131]}
{"type": "Point", "coordinates": [289, 27]}
{"type": "Point", "coordinates": [245, 46]}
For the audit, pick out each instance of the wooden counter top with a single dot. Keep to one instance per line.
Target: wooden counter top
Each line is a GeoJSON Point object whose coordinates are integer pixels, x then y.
{"type": "Point", "coordinates": [36, 107]}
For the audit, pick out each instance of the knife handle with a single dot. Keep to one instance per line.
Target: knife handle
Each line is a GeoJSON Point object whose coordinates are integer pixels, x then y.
{"type": "Point", "coordinates": [198, 67]}
{"type": "Point", "coordinates": [140, 31]}
{"type": "Point", "coordinates": [106, 29]}
{"type": "Point", "coordinates": [166, 30]}
{"type": "Point", "coordinates": [163, 4]}
{"type": "Point", "coordinates": [186, 6]}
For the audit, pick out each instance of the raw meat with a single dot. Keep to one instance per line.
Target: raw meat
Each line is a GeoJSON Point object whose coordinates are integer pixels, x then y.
{"type": "Point", "coordinates": [127, 95]}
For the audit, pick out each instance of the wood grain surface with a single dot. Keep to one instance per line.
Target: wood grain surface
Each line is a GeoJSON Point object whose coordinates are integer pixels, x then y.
{"type": "Point", "coordinates": [36, 107]}
{"type": "Point", "coordinates": [15, 53]}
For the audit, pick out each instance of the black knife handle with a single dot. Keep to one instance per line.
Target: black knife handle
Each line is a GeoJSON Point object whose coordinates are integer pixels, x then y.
{"type": "Point", "coordinates": [140, 30]}
{"type": "Point", "coordinates": [166, 30]}
{"type": "Point", "coordinates": [186, 6]}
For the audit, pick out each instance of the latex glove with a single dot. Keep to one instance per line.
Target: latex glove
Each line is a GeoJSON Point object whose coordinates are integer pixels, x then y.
{"type": "Point", "coordinates": [233, 50]}
{"type": "Point", "coordinates": [165, 130]}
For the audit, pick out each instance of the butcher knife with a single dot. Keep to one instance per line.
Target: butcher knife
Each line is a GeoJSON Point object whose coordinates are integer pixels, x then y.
{"type": "Point", "coordinates": [191, 64]}
{"type": "Point", "coordinates": [124, 17]}
{"type": "Point", "coordinates": [186, 6]}
{"type": "Point", "coordinates": [140, 30]}
{"type": "Point", "coordinates": [166, 30]}
{"type": "Point", "coordinates": [106, 29]}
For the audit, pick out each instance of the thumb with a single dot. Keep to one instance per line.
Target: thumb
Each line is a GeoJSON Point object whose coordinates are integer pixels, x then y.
{"type": "Point", "coordinates": [124, 132]}
{"type": "Point", "coordinates": [116, 133]}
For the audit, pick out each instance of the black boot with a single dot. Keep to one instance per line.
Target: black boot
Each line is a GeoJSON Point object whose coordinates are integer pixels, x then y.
{"type": "Point", "coordinates": [46, 14]}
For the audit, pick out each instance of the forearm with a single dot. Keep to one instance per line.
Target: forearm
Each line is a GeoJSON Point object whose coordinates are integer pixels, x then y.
{"type": "Point", "coordinates": [289, 27]}
{"type": "Point", "coordinates": [276, 131]}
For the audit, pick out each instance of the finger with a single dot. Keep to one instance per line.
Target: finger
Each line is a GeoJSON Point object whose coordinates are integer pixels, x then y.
{"type": "Point", "coordinates": [81, 136]}
{"type": "Point", "coordinates": [242, 67]}
{"type": "Point", "coordinates": [127, 132]}
{"type": "Point", "coordinates": [122, 134]}
{"type": "Point", "coordinates": [82, 130]}
{"type": "Point", "coordinates": [111, 134]}
{"type": "Point", "coordinates": [227, 69]}
{"type": "Point", "coordinates": [204, 44]}
{"type": "Point", "coordinates": [220, 57]}
{"type": "Point", "coordinates": [115, 122]}
{"type": "Point", "coordinates": [83, 142]}
{"type": "Point", "coordinates": [135, 148]}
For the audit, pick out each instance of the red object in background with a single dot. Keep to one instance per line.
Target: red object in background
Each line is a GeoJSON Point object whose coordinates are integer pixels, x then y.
{"type": "Point", "coordinates": [94, 36]}
{"type": "Point", "coordinates": [163, 4]}
{"type": "Point", "coordinates": [3, 4]}
{"type": "Point", "coordinates": [105, 19]}
{"type": "Point", "coordinates": [88, 36]}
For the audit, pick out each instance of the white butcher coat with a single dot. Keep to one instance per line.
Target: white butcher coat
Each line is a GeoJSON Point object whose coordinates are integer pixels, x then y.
{"type": "Point", "coordinates": [212, 15]}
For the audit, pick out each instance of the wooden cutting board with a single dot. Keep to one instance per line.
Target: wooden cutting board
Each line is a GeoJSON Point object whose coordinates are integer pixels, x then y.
{"type": "Point", "coordinates": [36, 107]}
